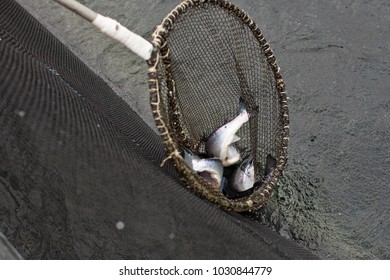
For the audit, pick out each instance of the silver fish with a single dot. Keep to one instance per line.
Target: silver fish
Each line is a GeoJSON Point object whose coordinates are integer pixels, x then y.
{"type": "Point", "coordinates": [219, 142]}
{"type": "Point", "coordinates": [244, 176]}
{"type": "Point", "coordinates": [211, 169]}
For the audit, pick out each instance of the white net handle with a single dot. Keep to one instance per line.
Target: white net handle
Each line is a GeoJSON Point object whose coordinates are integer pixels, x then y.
{"type": "Point", "coordinates": [112, 28]}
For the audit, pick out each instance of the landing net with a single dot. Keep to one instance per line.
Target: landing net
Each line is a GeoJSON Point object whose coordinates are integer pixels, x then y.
{"type": "Point", "coordinates": [207, 55]}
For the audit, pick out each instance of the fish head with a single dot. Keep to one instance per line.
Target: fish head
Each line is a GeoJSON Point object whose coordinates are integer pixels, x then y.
{"type": "Point", "coordinates": [244, 177]}
{"type": "Point", "coordinates": [249, 168]}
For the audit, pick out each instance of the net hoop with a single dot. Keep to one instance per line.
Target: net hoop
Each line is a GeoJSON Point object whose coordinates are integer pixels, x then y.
{"type": "Point", "coordinates": [170, 133]}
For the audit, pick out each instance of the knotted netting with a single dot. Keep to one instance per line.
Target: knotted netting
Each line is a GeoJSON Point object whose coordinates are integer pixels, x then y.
{"type": "Point", "coordinates": [208, 55]}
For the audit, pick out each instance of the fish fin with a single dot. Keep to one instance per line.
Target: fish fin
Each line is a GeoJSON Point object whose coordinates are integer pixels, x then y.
{"type": "Point", "coordinates": [236, 138]}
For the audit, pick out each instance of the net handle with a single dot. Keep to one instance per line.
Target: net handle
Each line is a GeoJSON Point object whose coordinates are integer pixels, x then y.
{"type": "Point", "coordinates": [112, 28]}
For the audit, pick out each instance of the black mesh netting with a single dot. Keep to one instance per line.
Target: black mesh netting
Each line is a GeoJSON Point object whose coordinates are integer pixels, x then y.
{"type": "Point", "coordinates": [76, 162]}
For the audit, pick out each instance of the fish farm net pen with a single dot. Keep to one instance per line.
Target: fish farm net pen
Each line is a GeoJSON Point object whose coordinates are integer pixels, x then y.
{"type": "Point", "coordinates": [203, 58]}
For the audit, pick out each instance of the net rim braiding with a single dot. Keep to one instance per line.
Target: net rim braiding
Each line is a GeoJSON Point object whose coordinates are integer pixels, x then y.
{"type": "Point", "coordinates": [192, 181]}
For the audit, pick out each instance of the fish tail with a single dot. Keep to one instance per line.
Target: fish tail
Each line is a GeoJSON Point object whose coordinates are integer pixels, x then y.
{"type": "Point", "coordinates": [242, 109]}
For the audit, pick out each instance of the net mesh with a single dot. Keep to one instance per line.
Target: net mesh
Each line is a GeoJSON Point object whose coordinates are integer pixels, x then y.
{"type": "Point", "coordinates": [209, 55]}
{"type": "Point", "coordinates": [76, 162]}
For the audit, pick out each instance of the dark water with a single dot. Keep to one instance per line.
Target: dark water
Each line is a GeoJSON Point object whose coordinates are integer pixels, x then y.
{"type": "Point", "coordinates": [336, 58]}
{"type": "Point", "coordinates": [334, 197]}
